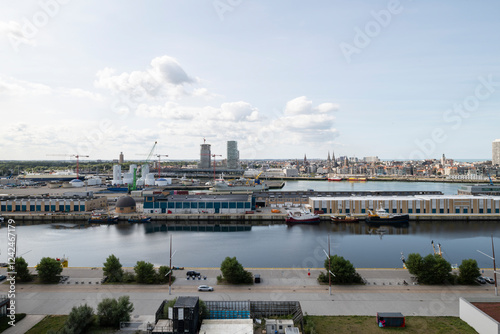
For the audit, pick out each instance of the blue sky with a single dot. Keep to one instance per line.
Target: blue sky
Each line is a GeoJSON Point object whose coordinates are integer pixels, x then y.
{"type": "Point", "coordinates": [394, 79]}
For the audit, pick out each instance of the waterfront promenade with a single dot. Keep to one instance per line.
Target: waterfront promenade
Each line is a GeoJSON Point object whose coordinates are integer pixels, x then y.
{"type": "Point", "coordinates": [384, 291]}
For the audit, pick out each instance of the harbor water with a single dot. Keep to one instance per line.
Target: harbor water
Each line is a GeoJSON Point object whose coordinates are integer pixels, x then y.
{"type": "Point", "coordinates": [274, 246]}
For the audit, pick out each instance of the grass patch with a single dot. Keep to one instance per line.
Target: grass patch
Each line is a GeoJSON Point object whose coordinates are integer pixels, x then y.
{"type": "Point", "coordinates": [366, 324]}
{"type": "Point", "coordinates": [54, 322]}
{"type": "Point", "coordinates": [4, 321]}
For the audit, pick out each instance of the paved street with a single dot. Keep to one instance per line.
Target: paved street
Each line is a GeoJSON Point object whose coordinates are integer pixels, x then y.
{"type": "Point", "coordinates": [384, 291]}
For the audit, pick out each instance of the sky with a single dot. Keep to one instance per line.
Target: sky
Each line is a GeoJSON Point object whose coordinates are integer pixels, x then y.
{"type": "Point", "coordinates": [394, 79]}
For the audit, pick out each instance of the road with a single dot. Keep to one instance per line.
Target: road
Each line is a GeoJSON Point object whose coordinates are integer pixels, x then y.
{"type": "Point", "coordinates": [384, 291]}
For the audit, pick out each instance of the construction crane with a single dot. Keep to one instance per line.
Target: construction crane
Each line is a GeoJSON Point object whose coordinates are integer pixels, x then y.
{"type": "Point", "coordinates": [77, 156]}
{"type": "Point", "coordinates": [159, 163]}
{"type": "Point", "coordinates": [213, 156]}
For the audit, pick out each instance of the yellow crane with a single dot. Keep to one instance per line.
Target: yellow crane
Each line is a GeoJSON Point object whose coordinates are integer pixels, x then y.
{"type": "Point", "coordinates": [439, 252]}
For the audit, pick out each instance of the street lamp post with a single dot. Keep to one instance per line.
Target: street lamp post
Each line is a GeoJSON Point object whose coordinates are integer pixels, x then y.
{"type": "Point", "coordinates": [494, 266]}
{"type": "Point", "coordinates": [329, 268]}
{"type": "Point", "coordinates": [170, 266]}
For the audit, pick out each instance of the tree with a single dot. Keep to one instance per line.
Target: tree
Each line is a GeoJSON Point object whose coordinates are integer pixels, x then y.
{"type": "Point", "coordinates": [48, 270]}
{"type": "Point", "coordinates": [111, 312]}
{"type": "Point", "coordinates": [162, 274]}
{"type": "Point", "coordinates": [344, 271]}
{"type": "Point", "coordinates": [469, 271]}
{"type": "Point", "coordinates": [234, 273]}
{"type": "Point", "coordinates": [415, 264]}
{"type": "Point", "coordinates": [145, 272]}
{"type": "Point", "coordinates": [80, 318]}
{"type": "Point", "coordinates": [432, 269]}
{"type": "Point", "coordinates": [113, 269]}
{"type": "Point", "coordinates": [23, 273]}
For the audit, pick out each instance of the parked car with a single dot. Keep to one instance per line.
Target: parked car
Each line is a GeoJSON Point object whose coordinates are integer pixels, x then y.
{"type": "Point", "coordinates": [2, 277]}
{"type": "Point", "coordinates": [192, 273]}
{"type": "Point", "coordinates": [489, 280]}
{"type": "Point", "coordinates": [481, 280]}
{"type": "Point", "coordinates": [205, 288]}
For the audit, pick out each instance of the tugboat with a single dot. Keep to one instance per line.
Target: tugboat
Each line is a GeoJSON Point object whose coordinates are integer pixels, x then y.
{"type": "Point", "coordinates": [382, 217]}
{"type": "Point", "coordinates": [302, 216]}
{"type": "Point", "coordinates": [99, 217]}
{"type": "Point", "coordinates": [141, 219]}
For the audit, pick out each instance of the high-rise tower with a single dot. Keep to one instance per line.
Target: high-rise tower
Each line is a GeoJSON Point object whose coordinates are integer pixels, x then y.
{"type": "Point", "coordinates": [495, 160]}
{"type": "Point", "coordinates": [233, 155]}
{"type": "Point", "coordinates": [205, 159]}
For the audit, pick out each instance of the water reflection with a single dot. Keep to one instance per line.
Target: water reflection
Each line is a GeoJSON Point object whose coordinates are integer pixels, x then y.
{"type": "Point", "coordinates": [275, 246]}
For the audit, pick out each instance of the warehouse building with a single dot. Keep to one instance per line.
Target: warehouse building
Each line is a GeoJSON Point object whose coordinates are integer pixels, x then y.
{"type": "Point", "coordinates": [51, 203]}
{"type": "Point", "coordinates": [420, 204]}
{"type": "Point", "coordinates": [228, 203]}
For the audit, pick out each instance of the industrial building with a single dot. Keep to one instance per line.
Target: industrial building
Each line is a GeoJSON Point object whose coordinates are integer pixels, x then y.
{"type": "Point", "coordinates": [417, 204]}
{"type": "Point", "coordinates": [495, 160]}
{"type": "Point", "coordinates": [228, 203]}
{"type": "Point", "coordinates": [51, 203]}
{"type": "Point", "coordinates": [233, 155]}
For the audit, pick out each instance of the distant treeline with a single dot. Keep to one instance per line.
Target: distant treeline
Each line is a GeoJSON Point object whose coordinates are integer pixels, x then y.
{"type": "Point", "coordinates": [16, 167]}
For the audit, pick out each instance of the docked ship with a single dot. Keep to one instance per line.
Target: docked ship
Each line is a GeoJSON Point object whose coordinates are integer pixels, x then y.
{"type": "Point", "coordinates": [48, 177]}
{"type": "Point", "coordinates": [382, 217]}
{"type": "Point", "coordinates": [344, 219]}
{"type": "Point", "coordinates": [100, 217]}
{"type": "Point", "coordinates": [334, 178]}
{"type": "Point", "coordinates": [302, 216]}
{"type": "Point", "coordinates": [240, 185]}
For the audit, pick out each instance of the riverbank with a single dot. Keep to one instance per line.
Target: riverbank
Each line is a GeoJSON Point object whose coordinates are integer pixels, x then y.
{"type": "Point", "coordinates": [255, 219]}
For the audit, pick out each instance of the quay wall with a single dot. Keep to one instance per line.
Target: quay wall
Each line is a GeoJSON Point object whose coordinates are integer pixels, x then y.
{"type": "Point", "coordinates": [228, 219]}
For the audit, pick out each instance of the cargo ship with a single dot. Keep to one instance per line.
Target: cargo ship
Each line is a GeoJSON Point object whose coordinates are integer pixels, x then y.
{"type": "Point", "coordinates": [48, 177]}
{"type": "Point", "coordinates": [240, 185]}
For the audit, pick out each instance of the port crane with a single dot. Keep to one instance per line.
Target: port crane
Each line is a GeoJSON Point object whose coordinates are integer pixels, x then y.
{"type": "Point", "coordinates": [133, 186]}
{"type": "Point", "coordinates": [159, 163]}
{"type": "Point", "coordinates": [77, 156]}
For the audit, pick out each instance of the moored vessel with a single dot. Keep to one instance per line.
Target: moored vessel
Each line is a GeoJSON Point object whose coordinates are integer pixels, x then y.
{"type": "Point", "coordinates": [302, 216]}
{"type": "Point", "coordinates": [344, 219]}
{"type": "Point", "coordinates": [139, 219]}
{"type": "Point", "coordinates": [381, 216]}
{"type": "Point", "coordinates": [99, 217]}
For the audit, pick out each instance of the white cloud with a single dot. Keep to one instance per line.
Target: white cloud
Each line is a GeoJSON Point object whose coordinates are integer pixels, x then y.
{"type": "Point", "coordinates": [164, 79]}
{"type": "Point", "coordinates": [19, 88]}
{"type": "Point", "coordinates": [14, 33]}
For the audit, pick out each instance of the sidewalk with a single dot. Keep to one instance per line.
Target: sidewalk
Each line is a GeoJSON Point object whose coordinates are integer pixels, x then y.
{"type": "Point", "coordinates": [25, 325]}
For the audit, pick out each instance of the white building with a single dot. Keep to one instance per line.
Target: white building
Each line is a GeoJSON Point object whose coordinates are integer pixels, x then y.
{"type": "Point", "coordinates": [496, 152]}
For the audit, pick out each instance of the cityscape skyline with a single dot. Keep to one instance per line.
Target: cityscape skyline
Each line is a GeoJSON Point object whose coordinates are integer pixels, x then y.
{"type": "Point", "coordinates": [363, 78]}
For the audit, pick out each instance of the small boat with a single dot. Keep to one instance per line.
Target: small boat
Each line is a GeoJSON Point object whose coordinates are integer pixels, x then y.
{"type": "Point", "coordinates": [344, 219]}
{"type": "Point", "coordinates": [142, 219]}
{"type": "Point", "coordinates": [99, 217]}
{"type": "Point", "coordinates": [382, 217]}
{"type": "Point", "coordinates": [302, 216]}
{"type": "Point", "coordinates": [335, 179]}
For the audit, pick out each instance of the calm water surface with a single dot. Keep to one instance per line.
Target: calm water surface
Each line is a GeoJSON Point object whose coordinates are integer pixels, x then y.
{"type": "Point", "coordinates": [265, 246]}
